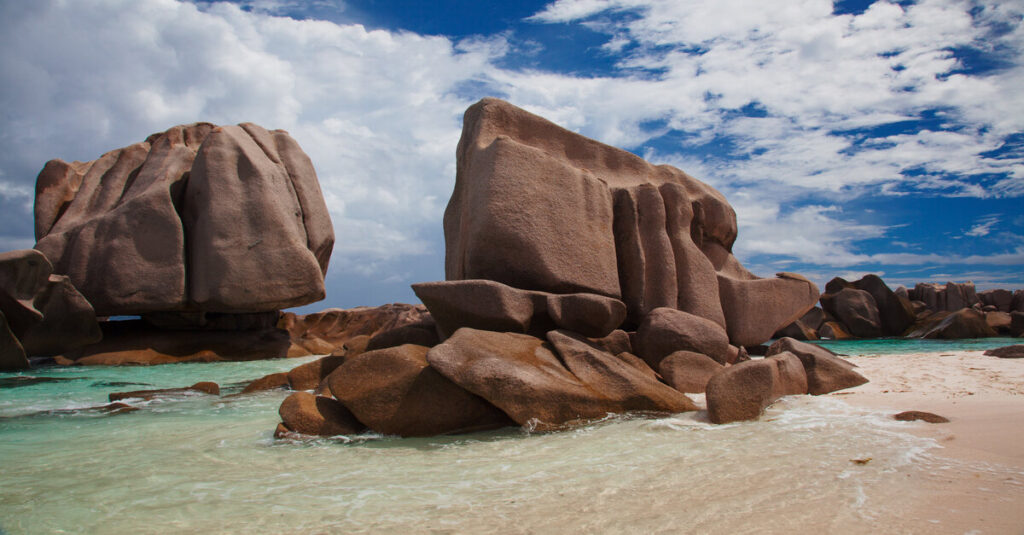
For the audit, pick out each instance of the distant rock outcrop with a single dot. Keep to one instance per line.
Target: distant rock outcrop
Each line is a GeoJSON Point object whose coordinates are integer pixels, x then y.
{"type": "Point", "coordinates": [538, 207]}
{"type": "Point", "coordinates": [199, 218]}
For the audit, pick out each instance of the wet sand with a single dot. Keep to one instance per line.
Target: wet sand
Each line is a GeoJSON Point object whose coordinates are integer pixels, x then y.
{"type": "Point", "coordinates": [983, 397]}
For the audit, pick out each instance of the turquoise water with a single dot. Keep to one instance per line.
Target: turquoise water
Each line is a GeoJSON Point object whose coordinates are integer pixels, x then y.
{"type": "Point", "coordinates": [891, 346]}
{"type": "Point", "coordinates": [209, 464]}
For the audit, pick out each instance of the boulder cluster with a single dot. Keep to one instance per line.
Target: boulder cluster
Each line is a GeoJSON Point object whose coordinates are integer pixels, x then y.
{"type": "Point", "coordinates": [204, 232]}
{"type": "Point", "coordinates": [582, 281]}
{"type": "Point", "coordinates": [867, 308]}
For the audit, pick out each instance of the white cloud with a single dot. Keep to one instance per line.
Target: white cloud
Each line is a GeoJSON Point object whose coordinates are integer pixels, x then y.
{"type": "Point", "coordinates": [983, 227]}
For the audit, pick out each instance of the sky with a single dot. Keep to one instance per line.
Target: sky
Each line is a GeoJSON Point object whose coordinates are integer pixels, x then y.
{"type": "Point", "coordinates": [851, 137]}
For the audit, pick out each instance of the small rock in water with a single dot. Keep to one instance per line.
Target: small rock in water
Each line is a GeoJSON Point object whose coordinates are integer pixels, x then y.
{"type": "Point", "coordinates": [910, 416]}
{"type": "Point", "coordinates": [29, 380]}
{"type": "Point", "coordinates": [204, 387]}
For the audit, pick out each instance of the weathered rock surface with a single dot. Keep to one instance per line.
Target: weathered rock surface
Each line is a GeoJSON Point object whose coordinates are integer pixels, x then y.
{"type": "Point", "coordinates": [197, 218]}
{"type": "Point", "coordinates": [1007, 352]}
{"type": "Point", "coordinates": [963, 323]}
{"type": "Point", "coordinates": [338, 330]}
{"type": "Point", "coordinates": [999, 321]}
{"type": "Point", "coordinates": [825, 371]}
{"type": "Point", "coordinates": [395, 391]}
{"type": "Point", "coordinates": [666, 330]}
{"type": "Point", "coordinates": [523, 377]}
{"type": "Point", "coordinates": [538, 207]}
{"type": "Point", "coordinates": [999, 298]}
{"type": "Point", "coordinates": [44, 311]}
{"type": "Point", "coordinates": [687, 371]}
{"type": "Point", "coordinates": [421, 334]}
{"type": "Point", "coordinates": [945, 297]}
{"type": "Point", "coordinates": [307, 414]}
{"type": "Point", "coordinates": [493, 306]}
{"type": "Point", "coordinates": [204, 387]}
{"type": "Point", "coordinates": [743, 391]}
{"type": "Point", "coordinates": [857, 311]}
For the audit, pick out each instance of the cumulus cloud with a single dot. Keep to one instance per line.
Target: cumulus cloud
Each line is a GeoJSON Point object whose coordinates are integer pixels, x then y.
{"type": "Point", "coordinates": [789, 109]}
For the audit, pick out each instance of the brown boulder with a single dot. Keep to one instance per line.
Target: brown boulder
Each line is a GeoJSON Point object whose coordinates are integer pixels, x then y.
{"type": "Point", "coordinates": [948, 297]}
{"type": "Point", "coordinates": [964, 323]}
{"type": "Point", "coordinates": [235, 210]}
{"type": "Point", "coordinates": [204, 387]}
{"type": "Point", "coordinates": [910, 416]}
{"type": "Point", "coordinates": [687, 371]}
{"type": "Point", "coordinates": [1017, 303]}
{"type": "Point", "coordinates": [999, 298]}
{"type": "Point", "coordinates": [832, 330]}
{"type": "Point", "coordinates": [825, 371]}
{"type": "Point", "coordinates": [895, 313]}
{"type": "Point", "coordinates": [615, 343]}
{"type": "Point", "coordinates": [493, 306]}
{"type": "Point", "coordinates": [797, 330]}
{"type": "Point", "coordinates": [23, 273]}
{"type": "Point", "coordinates": [307, 414]}
{"type": "Point", "coordinates": [394, 391]}
{"type": "Point", "coordinates": [538, 207]}
{"type": "Point", "coordinates": [624, 379]}
{"type": "Point", "coordinates": [267, 382]}
{"type": "Point", "coordinates": [665, 330]}
{"type": "Point", "coordinates": [743, 391]}
{"type": "Point", "coordinates": [1007, 352]}
{"type": "Point", "coordinates": [523, 377]}
{"type": "Point", "coordinates": [307, 376]}
{"type": "Point", "coordinates": [999, 321]}
{"type": "Point", "coordinates": [857, 311]}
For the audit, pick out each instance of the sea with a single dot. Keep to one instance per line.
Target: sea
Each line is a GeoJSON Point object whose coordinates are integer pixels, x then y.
{"type": "Point", "coordinates": [207, 464]}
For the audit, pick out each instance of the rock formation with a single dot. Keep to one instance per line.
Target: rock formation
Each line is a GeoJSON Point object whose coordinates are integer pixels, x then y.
{"type": "Point", "coordinates": [199, 218]}
{"type": "Point", "coordinates": [537, 207]}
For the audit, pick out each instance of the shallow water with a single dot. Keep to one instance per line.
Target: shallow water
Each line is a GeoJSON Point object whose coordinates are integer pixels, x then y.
{"type": "Point", "coordinates": [203, 463]}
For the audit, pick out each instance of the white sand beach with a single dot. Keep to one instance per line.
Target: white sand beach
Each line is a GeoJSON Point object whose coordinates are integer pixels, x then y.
{"type": "Point", "coordinates": [983, 398]}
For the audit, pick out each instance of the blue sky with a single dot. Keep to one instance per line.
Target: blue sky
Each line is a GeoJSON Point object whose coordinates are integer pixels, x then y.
{"type": "Point", "coordinates": [851, 137]}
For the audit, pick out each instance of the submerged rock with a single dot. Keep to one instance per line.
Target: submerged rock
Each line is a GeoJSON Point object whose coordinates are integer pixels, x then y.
{"type": "Point", "coordinates": [307, 414]}
{"type": "Point", "coordinates": [930, 417]}
{"type": "Point", "coordinates": [204, 387]}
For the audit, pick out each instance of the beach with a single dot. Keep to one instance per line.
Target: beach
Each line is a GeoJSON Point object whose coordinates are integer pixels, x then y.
{"type": "Point", "coordinates": [983, 398]}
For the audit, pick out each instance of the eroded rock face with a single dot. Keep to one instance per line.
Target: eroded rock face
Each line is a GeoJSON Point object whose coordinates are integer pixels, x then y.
{"type": "Point", "coordinates": [522, 376]}
{"type": "Point", "coordinates": [198, 218]}
{"type": "Point", "coordinates": [963, 323]}
{"type": "Point", "coordinates": [687, 371]}
{"type": "Point", "coordinates": [538, 207]}
{"type": "Point", "coordinates": [949, 297]}
{"type": "Point", "coordinates": [346, 330]}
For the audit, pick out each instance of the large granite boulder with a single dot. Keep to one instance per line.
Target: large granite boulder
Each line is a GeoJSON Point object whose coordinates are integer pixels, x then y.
{"type": "Point", "coordinates": [198, 218]}
{"type": "Point", "coordinates": [538, 207]}
{"type": "Point", "coordinates": [522, 375]}
{"type": "Point", "coordinates": [895, 313]}
{"type": "Point", "coordinates": [44, 311]}
{"type": "Point", "coordinates": [743, 391]}
{"type": "Point", "coordinates": [308, 414]}
{"type": "Point", "coordinates": [1016, 323]}
{"type": "Point", "coordinates": [666, 330]}
{"type": "Point", "coordinates": [825, 371]}
{"type": "Point", "coordinates": [963, 323]}
{"type": "Point", "coordinates": [493, 306]}
{"type": "Point", "coordinates": [394, 391]}
{"type": "Point", "coordinates": [999, 321]}
{"type": "Point", "coordinates": [687, 371]}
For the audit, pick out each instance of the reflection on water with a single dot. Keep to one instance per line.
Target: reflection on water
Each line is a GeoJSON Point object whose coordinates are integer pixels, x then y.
{"type": "Point", "coordinates": [210, 464]}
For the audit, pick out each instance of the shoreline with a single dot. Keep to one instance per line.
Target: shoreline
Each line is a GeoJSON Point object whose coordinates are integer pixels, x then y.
{"type": "Point", "coordinates": [978, 484]}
